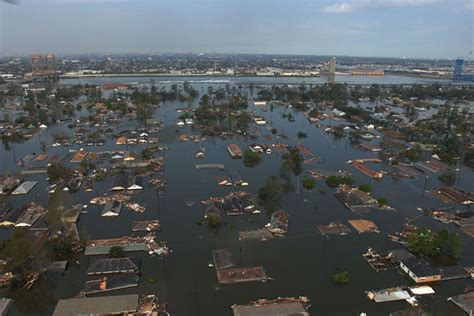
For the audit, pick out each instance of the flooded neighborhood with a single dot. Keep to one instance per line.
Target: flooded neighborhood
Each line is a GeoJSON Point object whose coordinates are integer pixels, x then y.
{"type": "Point", "coordinates": [187, 197]}
{"type": "Point", "coordinates": [236, 158]}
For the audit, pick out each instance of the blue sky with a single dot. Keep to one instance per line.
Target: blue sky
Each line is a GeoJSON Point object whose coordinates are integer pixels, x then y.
{"type": "Point", "coordinates": [393, 28]}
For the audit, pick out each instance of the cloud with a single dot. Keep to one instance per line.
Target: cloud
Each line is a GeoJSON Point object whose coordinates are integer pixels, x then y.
{"type": "Point", "coordinates": [340, 8]}
{"type": "Point", "coordinates": [354, 5]}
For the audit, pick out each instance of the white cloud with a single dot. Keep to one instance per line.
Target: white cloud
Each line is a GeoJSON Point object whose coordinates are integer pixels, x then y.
{"type": "Point", "coordinates": [346, 7]}
{"type": "Point", "coordinates": [340, 8]}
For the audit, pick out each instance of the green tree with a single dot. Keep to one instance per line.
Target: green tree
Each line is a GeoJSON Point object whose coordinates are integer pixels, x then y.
{"type": "Point", "coordinates": [340, 278]}
{"type": "Point", "coordinates": [292, 161]}
{"type": "Point", "coordinates": [19, 252]}
{"type": "Point", "coordinates": [414, 153]}
{"type": "Point", "coordinates": [448, 177]}
{"type": "Point", "coordinates": [448, 244]}
{"type": "Point", "coordinates": [309, 183]}
{"type": "Point", "coordinates": [213, 221]}
{"type": "Point", "coordinates": [57, 171]}
{"type": "Point", "coordinates": [251, 159]}
{"type": "Point", "coordinates": [382, 201]}
{"type": "Point", "coordinates": [365, 188]}
{"type": "Point", "coordinates": [269, 195]}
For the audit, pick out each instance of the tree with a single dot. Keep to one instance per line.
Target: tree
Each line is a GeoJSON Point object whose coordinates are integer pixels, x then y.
{"type": "Point", "coordinates": [143, 111]}
{"type": "Point", "coordinates": [116, 252]}
{"type": "Point", "coordinates": [338, 132]}
{"type": "Point", "coordinates": [421, 243]}
{"type": "Point", "coordinates": [19, 252]}
{"type": "Point", "coordinates": [443, 243]}
{"type": "Point", "coordinates": [448, 177]}
{"type": "Point", "coordinates": [251, 159]}
{"type": "Point", "coordinates": [365, 188]}
{"type": "Point", "coordinates": [309, 183]}
{"type": "Point", "coordinates": [448, 244]}
{"type": "Point", "coordinates": [469, 158]}
{"type": "Point", "coordinates": [57, 171]}
{"type": "Point", "coordinates": [335, 181]}
{"type": "Point", "coordinates": [382, 201]}
{"type": "Point", "coordinates": [269, 195]}
{"type": "Point", "coordinates": [340, 278]}
{"type": "Point", "coordinates": [414, 153]}
{"type": "Point", "coordinates": [213, 221]}
{"type": "Point", "coordinates": [292, 161]}
{"type": "Point", "coordinates": [302, 135]}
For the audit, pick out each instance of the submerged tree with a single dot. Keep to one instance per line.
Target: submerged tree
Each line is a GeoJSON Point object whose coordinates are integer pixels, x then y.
{"type": "Point", "coordinates": [340, 278]}
{"type": "Point", "coordinates": [309, 183]}
{"type": "Point", "coordinates": [270, 194]}
{"type": "Point", "coordinates": [443, 243]}
{"type": "Point", "coordinates": [448, 177]}
{"type": "Point", "coordinates": [251, 158]}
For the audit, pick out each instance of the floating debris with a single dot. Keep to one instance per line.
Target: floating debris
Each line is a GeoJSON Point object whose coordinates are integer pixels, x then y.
{"type": "Point", "coordinates": [151, 226]}
{"type": "Point", "coordinates": [381, 261]}
{"type": "Point", "coordinates": [135, 207]}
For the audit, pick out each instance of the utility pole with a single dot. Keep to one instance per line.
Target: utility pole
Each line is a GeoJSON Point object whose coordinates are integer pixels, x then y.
{"type": "Point", "coordinates": [195, 297]}
{"type": "Point", "coordinates": [424, 187]}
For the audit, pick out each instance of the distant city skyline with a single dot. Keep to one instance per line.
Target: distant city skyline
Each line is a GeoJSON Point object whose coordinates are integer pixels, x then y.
{"type": "Point", "coordinates": [372, 28]}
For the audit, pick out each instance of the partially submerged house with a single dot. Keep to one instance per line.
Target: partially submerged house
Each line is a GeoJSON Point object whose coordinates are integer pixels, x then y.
{"type": "Point", "coordinates": [113, 265]}
{"type": "Point", "coordinates": [120, 182]}
{"type": "Point", "coordinates": [420, 270]}
{"type": "Point", "coordinates": [278, 224]}
{"type": "Point", "coordinates": [9, 216]}
{"type": "Point", "coordinates": [112, 209]}
{"type": "Point", "coordinates": [465, 302]}
{"type": "Point", "coordinates": [104, 305]}
{"type": "Point", "coordinates": [24, 188]}
{"type": "Point", "coordinates": [456, 195]}
{"type": "Point", "coordinates": [32, 213]}
{"type": "Point", "coordinates": [135, 183]}
{"type": "Point", "coordinates": [8, 184]}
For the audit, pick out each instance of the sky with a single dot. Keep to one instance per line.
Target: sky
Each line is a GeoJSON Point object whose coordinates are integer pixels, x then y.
{"type": "Point", "coordinates": [379, 28]}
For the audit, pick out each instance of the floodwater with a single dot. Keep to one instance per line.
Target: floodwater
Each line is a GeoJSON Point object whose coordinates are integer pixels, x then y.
{"type": "Point", "coordinates": [256, 80]}
{"type": "Point", "coordinates": [300, 263]}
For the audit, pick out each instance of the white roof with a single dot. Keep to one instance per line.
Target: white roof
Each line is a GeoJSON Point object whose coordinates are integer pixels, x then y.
{"type": "Point", "coordinates": [25, 187]}
{"type": "Point", "coordinates": [421, 290]}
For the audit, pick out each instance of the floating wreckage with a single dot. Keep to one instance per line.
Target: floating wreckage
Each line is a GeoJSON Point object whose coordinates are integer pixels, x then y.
{"type": "Point", "coordinates": [135, 207]}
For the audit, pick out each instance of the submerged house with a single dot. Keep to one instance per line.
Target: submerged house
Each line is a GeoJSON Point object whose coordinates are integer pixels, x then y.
{"type": "Point", "coordinates": [31, 215]}
{"type": "Point", "coordinates": [8, 184]}
{"type": "Point", "coordinates": [278, 223]}
{"type": "Point", "coordinates": [8, 217]}
{"type": "Point", "coordinates": [420, 271]}
{"type": "Point", "coordinates": [135, 183]}
{"type": "Point", "coordinates": [112, 209]}
{"type": "Point", "coordinates": [104, 305]}
{"type": "Point", "coordinates": [24, 188]}
{"type": "Point", "coordinates": [120, 182]}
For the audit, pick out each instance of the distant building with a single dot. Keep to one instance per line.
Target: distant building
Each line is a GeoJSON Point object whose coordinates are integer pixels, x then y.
{"type": "Point", "coordinates": [332, 66]}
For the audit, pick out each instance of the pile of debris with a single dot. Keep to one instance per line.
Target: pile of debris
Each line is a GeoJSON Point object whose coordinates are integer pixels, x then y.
{"type": "Point", "coordinates": [278, 224]}
{"type": "Point", "coordinates": [135, 207]}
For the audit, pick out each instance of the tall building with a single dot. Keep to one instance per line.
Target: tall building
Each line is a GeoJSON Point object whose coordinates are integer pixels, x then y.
{"type": "Point", "coordinates": [332, 66]}
{"type": "Point", "coordinates": [43, 67]}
